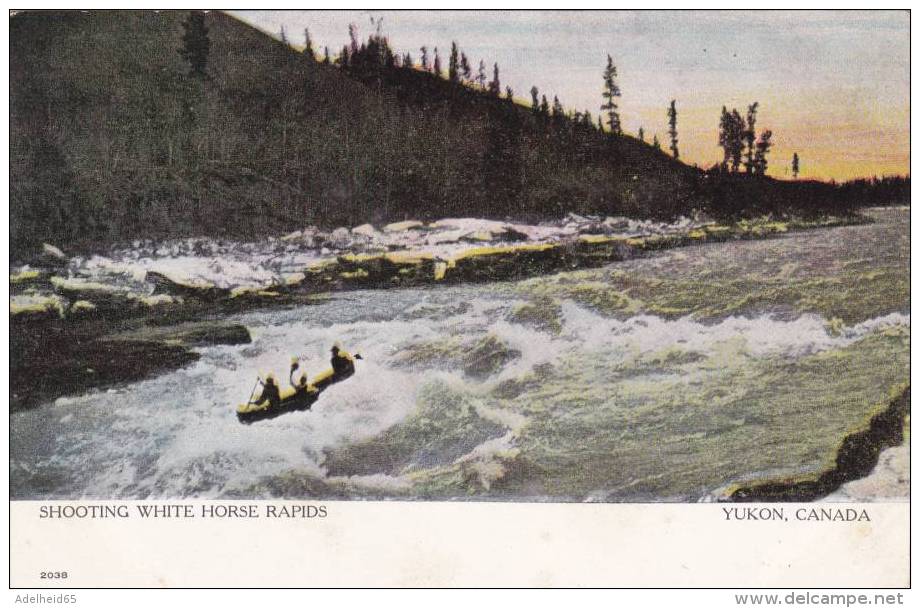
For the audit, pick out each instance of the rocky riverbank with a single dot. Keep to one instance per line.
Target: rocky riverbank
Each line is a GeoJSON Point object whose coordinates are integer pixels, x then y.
{"type": "Point", "coordinates": [94, 321]}
{"type": "Point", "coordinates": [859, 472]}
{"type": "Point", "coordinates": [188, 278]}
{"type": "Point", "coordinates": [53, 359]}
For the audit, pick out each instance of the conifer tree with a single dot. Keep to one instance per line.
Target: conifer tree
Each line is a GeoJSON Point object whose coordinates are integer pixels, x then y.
{"type": "Point", "coordinates": [611, 92]}
{"type": "Point", "coordinates": [655, 143]}
{"type": "Point", "coordinates": [509, 93]}
{"type": "Point", "coordinates": [737, 139]}
{"type": "Point", "coordinates": [795, 165]}
{"type": "Point", "coordinates": [481, 77]}
{"type": "Point", "coordinates": [495, 86]}
{"type": "Point", "coordinates": [353, 39]}
{"type": "Point", "coordinates": [724, 136]}
{"type": "Point", "coordinates": [544, 107]}
{"type": "Point", "coordinates": [535, 99]}
{"type": "Point", "coordinates": [731, 138]}
{"type": "Point", "coordinates": [641, 134]}
{"type": "Point", "coordinates": [424, 51]}
{"type": "Point", "coordinates": [308, 45]}
{"type": "Point", "coordinates": [672, 128]}
{"type": "Point", "coordinates": [558, 111]}
{"type": "Point", "coordinates": [195, 44]}
{"type": "Point", "coordinates": [453, 67]}
{"type": "Point", "coordinates": [466, 72]}
{"type": "Point", "coordinates": [326, 58]}
{"type": "Point", "coordinates": [762, 147]}
{"type": "Point", "coordinates": [749, 135]}
{"type": "Point", "coordinates": [436, 68]}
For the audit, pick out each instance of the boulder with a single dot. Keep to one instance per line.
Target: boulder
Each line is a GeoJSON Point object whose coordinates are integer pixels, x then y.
{"type": "Point", "coordinates": [340, 238]}
{"type": "Point", "coordinates": [203, 333]}
{"type": "Point", "coordinates": [52, 256]}
{"type": "Point", "coordinates": [36, 307]}
{"type": "Point", "coordinates": [403, 226]}
{"type": "Point", "coordinates": [200, 291]}
{"type": "Point", "coordinates": [365, 230]}
{"type": "Point", "coordinates": [293, 236]}
{"type": "Point", "coordinates": [28, 278]}
{"type": "Point", "coordinates": [477, 236]}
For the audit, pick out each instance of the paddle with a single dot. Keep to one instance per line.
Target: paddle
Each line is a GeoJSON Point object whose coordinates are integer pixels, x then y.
{"type": "Point", "coordinates": [254, 386]}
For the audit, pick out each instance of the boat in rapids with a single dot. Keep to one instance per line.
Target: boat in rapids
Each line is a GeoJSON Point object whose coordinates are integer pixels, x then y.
{"type": "Point", "coordinates": [292, 400]}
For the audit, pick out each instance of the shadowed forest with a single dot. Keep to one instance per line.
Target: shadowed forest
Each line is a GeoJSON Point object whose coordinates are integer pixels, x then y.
{"type": "Point", "coordinates": [156, 125]}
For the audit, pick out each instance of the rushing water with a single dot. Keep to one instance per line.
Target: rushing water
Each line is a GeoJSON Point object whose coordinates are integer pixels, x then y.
{"type": "Point", "coordinates": [460, 395]}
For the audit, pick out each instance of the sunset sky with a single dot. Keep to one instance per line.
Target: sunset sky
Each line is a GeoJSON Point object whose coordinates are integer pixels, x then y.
{"type": "Point", "coordinates": [832, 86]}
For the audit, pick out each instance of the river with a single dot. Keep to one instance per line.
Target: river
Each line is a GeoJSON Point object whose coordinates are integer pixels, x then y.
{"type": "Point", "coordinates": [665, 378]}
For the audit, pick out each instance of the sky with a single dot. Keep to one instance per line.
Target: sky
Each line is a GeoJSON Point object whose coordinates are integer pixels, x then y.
{"type": "Point", "coordinates": [833, 86]}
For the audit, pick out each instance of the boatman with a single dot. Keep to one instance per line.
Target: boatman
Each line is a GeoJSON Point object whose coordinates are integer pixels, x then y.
{"type": "Point", "coordinates": [301, 388]}
{"type": "Point", "coordinates": [301, 384]}
{"type": "Point", "coordinates": [270, 392]}
{"type": "Point", "coordinates": [343, 364]}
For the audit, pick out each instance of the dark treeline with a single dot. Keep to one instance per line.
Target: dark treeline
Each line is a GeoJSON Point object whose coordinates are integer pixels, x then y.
{"type": "Point", "coordinates": [874, 192]}
{"type": "Point", "coordinates": [143, 124]}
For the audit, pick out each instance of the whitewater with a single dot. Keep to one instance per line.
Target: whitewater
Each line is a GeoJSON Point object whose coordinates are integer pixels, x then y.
{"type": "Point", "coordinates": [177, 436]}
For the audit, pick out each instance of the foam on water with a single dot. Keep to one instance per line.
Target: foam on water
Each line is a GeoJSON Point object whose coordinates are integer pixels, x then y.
{"type": "Point", "coordinates": [177, 435]}
{"type": "Point", "coordinates": [761, 336]}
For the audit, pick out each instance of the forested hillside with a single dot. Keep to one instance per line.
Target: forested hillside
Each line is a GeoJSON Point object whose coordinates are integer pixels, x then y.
{"type": "Point", "coordinates": [116, 134]}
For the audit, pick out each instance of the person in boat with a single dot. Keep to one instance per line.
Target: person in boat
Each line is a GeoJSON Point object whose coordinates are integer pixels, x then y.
{"type": "Point", "coordinates": [343, 364]}
{"type": "Point", "coordinates": [270, 392]}
{"type": "Point", "coordinates": [300, 386]}
{"type": "Point", "coordinates": [300, 383]}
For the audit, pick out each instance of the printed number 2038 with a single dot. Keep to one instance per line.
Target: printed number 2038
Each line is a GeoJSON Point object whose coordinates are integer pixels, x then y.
{"type": "Point", "coordinates": [61, 575]}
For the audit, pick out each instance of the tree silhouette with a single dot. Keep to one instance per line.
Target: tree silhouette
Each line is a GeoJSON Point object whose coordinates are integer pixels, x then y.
{"type": "Point", "coordinates": [762, 147]}
{"type": "Point", "coordinates": [195, 44]}
{"type": "Point", "coordinates": [509, 93]}
{"type": "Point", "coordinates": [495, 86]}
{"type": "Point", "coordinates": [424, 51]}
{"type": "Point", "coordinates": [724, 135]}
{"type": "Point", "coordinates": [749, 135]}
{"type": "Point", "coordinates": [308, 45]}
{"type": "Point", "coordinates": [453, 66]}
{"type": "Point", "coordinates": [655, 143]}
{"type": "Point", "coordinates": [326, 58]}
{"type": "Point", "coordinates": [466, 72]}
{"type": "Point", "coordinates": [795, 165]}
{"type": "Point", "coordinates": [544, 107]}
{"type": "Point", "coordinates": [558, 111]}
{"type": "Point", "coordinates": [481, 77]}
{"type": "Point", "coordinates": [737, 139]}
{"type": "Point", "coordinates": [672, 128]}
{"type": "Point", "coordinates": [353, 38]}
{"type": "Point", "coordinates": [436, 68]}
{"type": "Point", "coordinates": [535, 99]}
{"type": "Point", "coordinates": [641, 134]}
{"type": "Point", "coordinates": [611, 92]}
{"type": "Point", "coordinates": [731, 138]}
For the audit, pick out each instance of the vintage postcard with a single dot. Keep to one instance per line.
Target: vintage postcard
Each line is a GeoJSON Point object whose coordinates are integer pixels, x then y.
{"type": "Point", "coordinates": [339, 284]}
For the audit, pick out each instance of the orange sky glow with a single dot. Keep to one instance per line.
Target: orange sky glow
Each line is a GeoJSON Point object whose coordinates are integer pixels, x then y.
{"type": "Point", "coordinates": [833, 86]}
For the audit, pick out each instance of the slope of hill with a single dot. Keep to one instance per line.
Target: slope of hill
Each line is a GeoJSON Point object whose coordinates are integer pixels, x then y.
{"type": "Point", "coordinates": [113, 139]}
